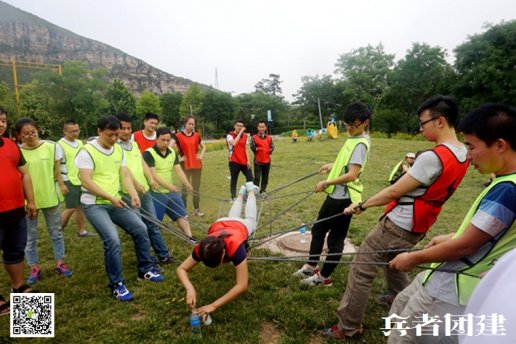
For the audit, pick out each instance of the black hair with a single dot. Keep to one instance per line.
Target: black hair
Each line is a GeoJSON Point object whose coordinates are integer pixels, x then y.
{"type": "Point", "coordinates": [211, 249]}
{"type": "Point", "coordinates": [124, 117]}
{"type": "Point", "coordinates": [356, 110]}
{"type": "Point", "coordinates": [239, 120]}
{"type": "Point", "coordinates": [108, 122]}
{"type": "Point", "coordinates": [150, 115]}
{"type": "Point", "coordinates": [491, 122]}
{"type": "Point", "coordinates": [69, 122]}
{"type": "Point", "coordinates": [187, 118]}
{"type": "Point", "coordinates": [262, 121]}
{"type": "Point", "coordinates": [2, 111]}
{"type": "Point", "coordinates": [163, 131]}
{"type": "Point", "coordinates": [23, 122]}
{"type": "Point", "coordinates": [445, 106]}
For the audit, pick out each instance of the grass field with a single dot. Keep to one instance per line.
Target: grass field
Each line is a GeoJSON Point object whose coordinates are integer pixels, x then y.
{"type": "Point", "coordinates": [276, 309]}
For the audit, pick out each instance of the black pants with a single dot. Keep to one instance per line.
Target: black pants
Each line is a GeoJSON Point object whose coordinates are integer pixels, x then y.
{"type": "Point", "coordinates": [261, 170]}
{"type": "Point", "coordinates": [235, 169]}
{"type": "Point", "coordinates": [338, 228]}
{"type": "Point", "coordinates": [194, 177]}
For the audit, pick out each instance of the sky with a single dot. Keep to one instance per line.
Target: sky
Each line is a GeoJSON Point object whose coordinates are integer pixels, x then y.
{"type": "Point", "coordinates": [245, 41]}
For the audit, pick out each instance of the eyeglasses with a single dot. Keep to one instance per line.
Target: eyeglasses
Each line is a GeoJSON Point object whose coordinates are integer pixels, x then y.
{"type": "Point", "coordinates": [422, 124]}
{"type": "Point", "coordinates": [354, 126]}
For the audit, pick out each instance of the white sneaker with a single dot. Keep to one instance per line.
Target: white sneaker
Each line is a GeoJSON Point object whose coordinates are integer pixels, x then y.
{"type": "Point", "coordinates": [317, 280]}
{"type": "Point", "coordinates": [306, 271]}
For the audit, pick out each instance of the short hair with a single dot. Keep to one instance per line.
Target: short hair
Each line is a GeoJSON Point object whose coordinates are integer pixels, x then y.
{"type": "Point", "coordinates": [150, 115]}
{"type": "Point", "coordinates": [3, 111]}
{"type": "Point", "coordinates": [445, 106]}
{"type": "Point", "coordinates": [189, 117]}
{"type": "Point", "coordinates": [261, 121]}
{"type": "Point", "coordinates": [163, 131]}
{"type": "Point", "coordinates": [69, 122]}
{"type": "Point", "coordinates": [356, 110]}
{"type": "Point", "coordinates": [211, 249]}
{"type": "Point", "coordinates": [239, 120]}
{"type": "Point", "coordinates": [491, 122]}
{"type": "Point", "coordinates": [124, 117]}
{"type": "Point", "coordinates": [108, 123]}
{"type": "Point", "coordinates": [23, 122]}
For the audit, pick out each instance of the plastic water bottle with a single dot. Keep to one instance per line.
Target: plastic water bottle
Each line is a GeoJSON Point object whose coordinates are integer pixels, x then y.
{"type": "Point", "coordinates": [302, 231]}
{"type": "Point", "coordinates": [195, 323]}
{"type": "Point", "coordinates": [207, 320]}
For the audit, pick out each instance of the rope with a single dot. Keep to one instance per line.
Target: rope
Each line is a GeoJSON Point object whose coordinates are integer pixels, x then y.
{"type": "Point", "coordinates": [294, 182]}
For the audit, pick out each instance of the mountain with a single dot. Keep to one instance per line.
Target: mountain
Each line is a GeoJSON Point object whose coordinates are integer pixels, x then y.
{"type": "Point", "coordinates": [26, 37]}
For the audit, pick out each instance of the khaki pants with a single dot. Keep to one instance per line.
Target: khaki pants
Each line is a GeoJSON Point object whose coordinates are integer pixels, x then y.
{"type": "Point", "coordinates": [386, 235]}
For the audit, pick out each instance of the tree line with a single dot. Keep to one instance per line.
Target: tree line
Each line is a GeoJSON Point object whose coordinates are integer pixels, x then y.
{"type": "Point", "coordinates": [484, 71]}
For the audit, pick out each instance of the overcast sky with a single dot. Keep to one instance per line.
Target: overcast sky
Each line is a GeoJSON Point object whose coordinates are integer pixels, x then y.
{"type": "Point", "coordinates": [247, 40]}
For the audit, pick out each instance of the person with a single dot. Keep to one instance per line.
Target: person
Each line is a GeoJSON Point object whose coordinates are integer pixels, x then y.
{"type": "Point", "coordinates": [146, 137]}
{"type": "Point", "coordinates": [142, 180]}
{"type": "Point", "coordinates": [69, 183]}
{"type": "Point", "coordinates": [487, 232]}
{"type": "Point", "coordinates": [343, 186]}
{"type": "Point", "coordinates": [162, 161]}
{"type": "Point", "coordinates": [238, 158]}
{"type": "Point", "coordinates": [43, 164]}
{"type": "Point", "coordinates": [262, 147]}
{"type": "Point", "coordinates": [413, 204]}
{"type": "Point", "coordinates": [226, 242]}
{"type": "Point", "coordinates": [294, 136]}
{"type": "Point", "coordinates": [188, 144]}
{"type": "Point", "coordinates": [102, 167]}
{"type": "Point", "coordinates": [15, 189]}
{"type": "Point", "coordinates": [401, 168]}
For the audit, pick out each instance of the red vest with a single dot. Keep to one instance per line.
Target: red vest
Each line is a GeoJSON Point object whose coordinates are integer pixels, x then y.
{"type": "Point", "coordinates": [142, 141]}
{"type": "Point", "coordinates": [188, 146]}
{"type": "Point", "coordinates": [11, 186]}
{"type": "Point", "coordinates": [429, 205]}
{"type": "Point", "coordinates": [237, 231]}
{"type": "Point", "coordinates": [237, 153]}
{"type": "Point", "coordinates": [263, 149]}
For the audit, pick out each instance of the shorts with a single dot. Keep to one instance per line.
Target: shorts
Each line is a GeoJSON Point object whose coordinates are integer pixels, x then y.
{"type": "Point", "coordinates": [13, 235]}
{"type": "Point", "coordinates": [73, 198]}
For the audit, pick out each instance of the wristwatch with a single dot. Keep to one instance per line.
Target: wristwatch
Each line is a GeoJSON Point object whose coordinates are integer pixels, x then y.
{"type": "Point", "coordinates": [359, 206]}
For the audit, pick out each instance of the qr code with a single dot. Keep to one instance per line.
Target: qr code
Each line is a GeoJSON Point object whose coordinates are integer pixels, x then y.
{"type": "Point", "coordinates": [32, 315]}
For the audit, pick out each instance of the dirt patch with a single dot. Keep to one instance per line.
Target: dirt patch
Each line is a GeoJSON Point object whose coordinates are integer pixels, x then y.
{"type": "Point", "coordinates": [269, 334]}
{"type": "Point", "coordinates": [316, 340]}
{"type": "Point", "coordinates": [138, 317]}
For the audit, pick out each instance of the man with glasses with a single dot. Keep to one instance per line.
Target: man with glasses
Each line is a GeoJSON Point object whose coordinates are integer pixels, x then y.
{"type": "Point", "coordinates": [343, 187]}
{"type": "Point", "coordinates": [413, 204]}
{"type": "Point", "coordinates": [238, 158]}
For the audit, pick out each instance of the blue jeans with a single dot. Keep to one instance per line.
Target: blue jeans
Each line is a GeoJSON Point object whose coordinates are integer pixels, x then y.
{"type": "Point", "coordinates": [53, 221]}
{"type": "Point", "coordinates": [153, 229]}
{"type": "Point", "coordinates": [103, 218]}
{"type": "Point", "coordinates": [169, 203]}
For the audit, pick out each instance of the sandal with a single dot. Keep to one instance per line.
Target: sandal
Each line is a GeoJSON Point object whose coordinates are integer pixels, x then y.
{"type": "Point", "coordinates": [5, 307]}
{"type": "Point", "coordinates": [24, 289]}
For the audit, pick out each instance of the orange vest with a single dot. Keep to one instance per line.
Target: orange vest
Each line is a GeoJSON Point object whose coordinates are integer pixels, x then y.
{"type": "Point", "coordinates": [189, 145]}
{"type": "Point", "coordinates": [237, 153]}
{"type": "Point", "coordinates": [429, 205]}
{"type": "Point", "coordinates": [142, 141]}
{"type": "Point", "coordinates": [11, 186]}
{"type": "Point", "coordinates": [238, 235]}
{"type": "Point", "coordinates": [263, 149]}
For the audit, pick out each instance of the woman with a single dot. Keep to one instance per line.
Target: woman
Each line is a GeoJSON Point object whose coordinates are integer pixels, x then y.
{"type": "Point", "coordinates": [44, 167]}
{"type": "Point", "coordinates": [226, 242]}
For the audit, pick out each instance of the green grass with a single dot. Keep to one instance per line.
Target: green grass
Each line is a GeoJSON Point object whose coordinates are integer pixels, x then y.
{"type": "Point", "coordinates": [85, 313]}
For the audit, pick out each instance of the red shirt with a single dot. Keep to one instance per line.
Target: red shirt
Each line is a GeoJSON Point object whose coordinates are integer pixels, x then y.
{"type": "Point", "coordinates": [188, 147]}
{"type": "Point", "coordinates": [11, 186]}
{"type": "Point", "coordinates": [237, 152]}
{"type": "Point", "coordinates": [142, 141]}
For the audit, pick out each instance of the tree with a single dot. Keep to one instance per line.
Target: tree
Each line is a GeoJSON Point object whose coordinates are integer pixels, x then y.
{"type": "Point", "coordinates": [170, 104]}
{"type": "Point", "coordinates": [192, 101]}
{"type": "Point", "coordinates": [148, 102]}
{"type": "Point", "coordinates": [218, 108]}
{"type": "Point", "coordinates": [7, 100]}
{"type": "Point", "coordinates": [120, 99]}
{"type": "Point", "coordinates": [253, 107]}
{"type": "Point", "coordinates": [271, 86]}
{"type": "Point", "coordinates": [486, 67]}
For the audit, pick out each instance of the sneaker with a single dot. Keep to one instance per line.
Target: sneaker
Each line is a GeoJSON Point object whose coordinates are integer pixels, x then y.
{"type": "Point", "coordinates": [336, 333]}
{"type": "Point", "coordinates": [86, 234]}
{"type": "Point", "coordinates": [386, 299]}
{"type": "Point", "coordinates": [167, 261]}
{"type": "Point", "coordinates": [251, 187]}
{"type": "Point", "coordinates": [305, 272]}
{"type": "Point", "coordinates": [198, 212]}
{"type": "Point", "coordinates": [243, 190]}
{"type": "Point", "coordinates": [317, 280]}
{"type": "Point", "coordinates": [63, 270]}
{"type": "Point", "coordinates": [121, 293]}
{"type": "Point", "coordinates": [35, 275]}
{"type": "Point", "coordinates": [151, 275]}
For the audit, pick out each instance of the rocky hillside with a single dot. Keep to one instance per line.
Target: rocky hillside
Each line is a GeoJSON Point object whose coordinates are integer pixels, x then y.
{"type": "Point", "coordinates": [27, 37]}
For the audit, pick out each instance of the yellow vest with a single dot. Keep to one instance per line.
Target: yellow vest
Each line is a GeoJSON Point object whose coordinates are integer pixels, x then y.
{"type": "Point", "coordinates": [133, 159]}
{"type": "Point", "coordinates": [40, 163]}
{"type": "Point", "coordinates": [69, 155]}
{"type": "Point", "coordinates": [467, 278]}
{"type": "Point", "coordinates": [163, 166]}
{"type": "Point", "coordinates": [355, 187]}
{"type": "Point", "coordinates": [106, 170]}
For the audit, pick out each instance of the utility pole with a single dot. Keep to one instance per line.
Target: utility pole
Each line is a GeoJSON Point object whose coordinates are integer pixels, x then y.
{"type": "Point", "coordinates": [320, 114]}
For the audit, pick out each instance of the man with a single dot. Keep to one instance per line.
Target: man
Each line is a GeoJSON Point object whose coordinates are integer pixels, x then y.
{"type": "Point", "coordinates": [343, 186]}
{"type": "Point", "coordinates": [487, 232]}
{"type": "Point", "coordinates": [402, 167]}
{"type": "Point", "coordinates": [413, 204]}
{"type": "Point", "coordinates": [262, 147]}
{"type": "Point", "coordinates": [146, 137]}
{"type": "Point", "coordinates": [102, 166]}
{"type": "Point", "coordinates": [142, 179]}
{"type": "Point", "coordinates": [69, 183]}
{"type": "Point", "coordinates": [238, 159]}
{"type": "Point", "coordinates": [15, 189]}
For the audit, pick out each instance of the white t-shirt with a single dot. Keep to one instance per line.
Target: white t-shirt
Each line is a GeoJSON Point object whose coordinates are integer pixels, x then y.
{"type": "Point", "coordinates": [60, 155]}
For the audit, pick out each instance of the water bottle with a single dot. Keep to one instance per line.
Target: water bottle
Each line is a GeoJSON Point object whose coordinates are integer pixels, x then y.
{"type": "Point", "coordinates": [207, 320]}
{"type": "Point", "coordinates": [302, 231]}
{"type": "Point", "coordinates": [195, 323]}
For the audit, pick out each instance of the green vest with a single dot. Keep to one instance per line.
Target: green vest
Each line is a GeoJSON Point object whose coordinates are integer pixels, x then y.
{"type": "Point", "coordinates": [395, 171]}
{"type": "Point", "coordinates": [133, 158]}
{"type": "Point", "coordinates": [40, 163]}
{"type": "Point", "coordinates": [69, 155]}
{"type": "Point", "coordinates": [163, 166]}
{"type": "Point", "coordinates": [467, 279]}
{"type": "Point", "coordinates": [106, 170]}
{"type": "Point", "coordinates": [355, 187]}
